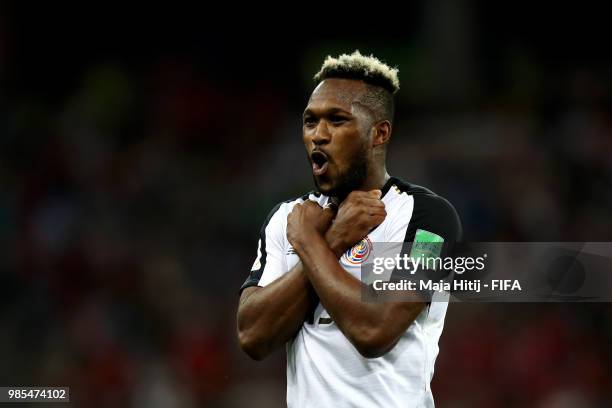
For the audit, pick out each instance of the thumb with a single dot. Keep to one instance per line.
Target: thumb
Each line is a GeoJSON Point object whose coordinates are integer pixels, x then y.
{"type": "Point", "coordinates": [376, 193]}
{"type": "Point", "coordinates": [329, 211]}
{"type": "Point", "coordinates": [331, 205]}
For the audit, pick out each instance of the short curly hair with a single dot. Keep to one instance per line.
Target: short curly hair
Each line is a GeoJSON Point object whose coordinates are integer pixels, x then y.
{"type": "Point", "coordinates": [369, 69]}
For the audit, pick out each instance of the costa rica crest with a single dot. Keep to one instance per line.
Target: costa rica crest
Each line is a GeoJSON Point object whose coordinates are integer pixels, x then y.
{"type": "Point", "coordinates": [359, 252]}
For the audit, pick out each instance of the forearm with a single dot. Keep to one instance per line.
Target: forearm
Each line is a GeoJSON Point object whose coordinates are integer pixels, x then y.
{"type": "Point", "coordinates": [338, 291]}
{"type": "Point", "coordinates": [268, 317]}
{"type": "Point", "coordinates": [371, 326]}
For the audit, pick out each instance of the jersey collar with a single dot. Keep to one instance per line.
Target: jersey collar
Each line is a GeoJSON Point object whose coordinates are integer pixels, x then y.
{"type": "Point", "coordinates": [385, 189]}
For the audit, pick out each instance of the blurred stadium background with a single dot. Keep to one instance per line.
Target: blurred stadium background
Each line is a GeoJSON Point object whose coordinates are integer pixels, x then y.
{"type": "Point", "coordinates": [140, 154]}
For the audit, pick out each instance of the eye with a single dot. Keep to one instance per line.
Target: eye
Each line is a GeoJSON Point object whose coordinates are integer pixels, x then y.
{"type": "Point", "coordinates": [338, 120]}
{"type": "Point", "coordinates": [309, 121]}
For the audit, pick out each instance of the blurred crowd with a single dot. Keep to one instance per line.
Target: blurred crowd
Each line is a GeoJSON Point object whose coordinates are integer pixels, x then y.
{"type": "Point", "coordinates": [130, 205]}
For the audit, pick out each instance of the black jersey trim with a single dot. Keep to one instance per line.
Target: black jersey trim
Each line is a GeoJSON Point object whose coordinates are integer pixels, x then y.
{"type": "Point", "coordinates": [387, 186]}
{"type": "Point", "coordinates": [255, 275]}
{"type": "Point", "coordinates": [433, 213]}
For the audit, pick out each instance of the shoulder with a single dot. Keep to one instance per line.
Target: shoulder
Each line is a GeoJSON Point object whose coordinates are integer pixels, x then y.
{"type": "Point", "coordinates": [288, 205]}
{"type": "Point", "coordinates": [431, 211]}
{"type": "Point", "coordinates": [425, 199]}
{"type": "Point", "coordinates": [278, 214]}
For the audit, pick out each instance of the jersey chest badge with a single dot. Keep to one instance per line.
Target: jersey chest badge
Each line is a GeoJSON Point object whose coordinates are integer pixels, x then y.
{"type": "Point", "coordinates": [358, 253]}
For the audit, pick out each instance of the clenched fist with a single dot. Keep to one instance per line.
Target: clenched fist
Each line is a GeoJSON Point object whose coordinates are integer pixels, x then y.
{"type": "Point", "coordinates": [359, 213]}
{"type": "Point", "coordinates": [307, 219]}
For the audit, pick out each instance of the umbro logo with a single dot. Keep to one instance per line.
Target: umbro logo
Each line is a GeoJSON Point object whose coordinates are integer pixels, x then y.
{"type": "Point", "coordinates": [291, 251]}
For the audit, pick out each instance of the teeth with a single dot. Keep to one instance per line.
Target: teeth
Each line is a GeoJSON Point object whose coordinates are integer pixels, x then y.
{"type": "Point", "coordinates": [318, 169]}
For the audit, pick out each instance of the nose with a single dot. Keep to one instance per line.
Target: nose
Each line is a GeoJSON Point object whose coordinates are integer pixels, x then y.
{"type": "Point", "coordinates": [321, 134]}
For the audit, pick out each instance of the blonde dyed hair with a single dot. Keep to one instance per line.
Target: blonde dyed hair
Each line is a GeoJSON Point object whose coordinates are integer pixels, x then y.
{"type": "Point", "coordinates": [369, 69]}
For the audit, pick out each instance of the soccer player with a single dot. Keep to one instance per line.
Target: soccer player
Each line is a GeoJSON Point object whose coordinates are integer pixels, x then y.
{"type": "Point", "coordinates": [304, 290]}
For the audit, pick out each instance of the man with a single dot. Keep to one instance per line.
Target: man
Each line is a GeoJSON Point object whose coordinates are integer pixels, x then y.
{"type": "Point", "coordinates": [304, 289]}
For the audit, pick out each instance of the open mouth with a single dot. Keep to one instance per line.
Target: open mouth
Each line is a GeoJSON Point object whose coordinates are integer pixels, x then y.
{"type": "Point", "coordinates": [319, 162]}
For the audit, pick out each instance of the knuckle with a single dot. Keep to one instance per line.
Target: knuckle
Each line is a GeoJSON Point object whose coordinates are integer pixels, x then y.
{"type": "Point", "coordinates": [356, 196]}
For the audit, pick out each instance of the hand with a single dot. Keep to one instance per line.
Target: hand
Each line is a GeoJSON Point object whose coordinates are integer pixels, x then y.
{"type": "Point", "coordinates": [358, 214]}
{"type": "Point", "coordinates": [306, 220]}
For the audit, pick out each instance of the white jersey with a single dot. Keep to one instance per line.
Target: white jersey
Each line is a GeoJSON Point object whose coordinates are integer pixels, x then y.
{"type": "Point", "coordinates": [323, 368]}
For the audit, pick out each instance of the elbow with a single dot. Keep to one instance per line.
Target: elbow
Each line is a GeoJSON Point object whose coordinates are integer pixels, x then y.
{"type": "Point", "coordinates": [372, 342]}
{"type": "Point", "coordinates": [252, 345]}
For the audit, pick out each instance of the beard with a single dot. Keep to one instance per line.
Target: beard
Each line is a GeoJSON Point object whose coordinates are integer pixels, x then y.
{"type": "Point", "coordinates": [350, 180]}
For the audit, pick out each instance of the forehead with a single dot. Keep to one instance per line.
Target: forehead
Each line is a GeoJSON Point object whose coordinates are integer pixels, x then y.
{"type": "Point", "coordinates": [336, 93]}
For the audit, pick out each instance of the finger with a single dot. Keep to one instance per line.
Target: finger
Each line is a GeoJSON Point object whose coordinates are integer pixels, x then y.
{"type": "Point", "coordinates": [375, 193]}
{"type": "Point", "coordinates": [372, 202]}
{"type": "Point", "coordinates": [310, 203]}
{"type": "Point", "coordinates": [329, 212]}
{"type": "Point", "coordinates": [377, 220]}
{"type": "Point", "coordinates": [376, 214]}
{"type": "Point", "coordinates": [370, 199]}
{"type": "Point", "coordinates": [334, 202]}
{"type": "Point", "coordinates": [332, 206]}
{"type": "Point", "coordinates": [357, 195]}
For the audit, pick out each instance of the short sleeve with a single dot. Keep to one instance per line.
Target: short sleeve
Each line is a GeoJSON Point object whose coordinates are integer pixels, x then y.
{"type": "Point", "coordinates": [434, 229]}
{"type": "Point", "coordinates": [270, 262]}
{"type": "Point", "coordinates": [434, 214]}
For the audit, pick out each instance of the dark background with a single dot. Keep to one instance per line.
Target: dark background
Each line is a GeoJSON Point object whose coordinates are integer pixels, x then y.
{"type": "Point", "coordinates": [141, 149]}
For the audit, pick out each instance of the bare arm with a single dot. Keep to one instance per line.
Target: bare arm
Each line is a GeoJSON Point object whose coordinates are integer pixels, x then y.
{"type": "Point", "coordinates": [373, 328]}
{"type": "Point", "coordinates": [268, 317]}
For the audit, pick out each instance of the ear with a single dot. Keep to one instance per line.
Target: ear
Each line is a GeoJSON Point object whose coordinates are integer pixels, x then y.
{"type": "Point", "coordinates": [382, 133]}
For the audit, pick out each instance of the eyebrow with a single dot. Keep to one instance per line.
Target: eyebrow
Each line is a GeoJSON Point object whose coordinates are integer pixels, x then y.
{"type": "Point", "coordinates": [330, 111]}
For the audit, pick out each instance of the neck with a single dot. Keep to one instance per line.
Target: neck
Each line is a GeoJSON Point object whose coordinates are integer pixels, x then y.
{"type": "Point", "coordinates": [375, 180]}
